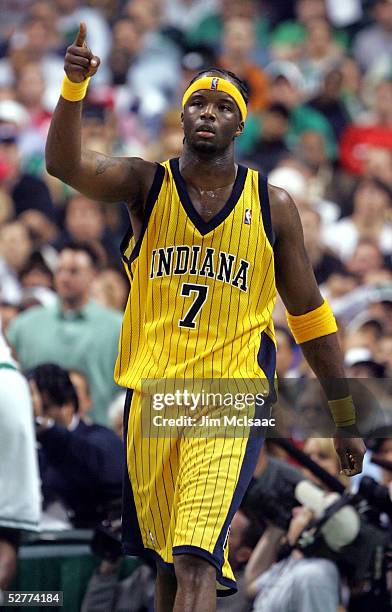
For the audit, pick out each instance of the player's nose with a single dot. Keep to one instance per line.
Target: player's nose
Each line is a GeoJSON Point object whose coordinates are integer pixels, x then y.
{"type": "Point", "coordinates": [208, 112]}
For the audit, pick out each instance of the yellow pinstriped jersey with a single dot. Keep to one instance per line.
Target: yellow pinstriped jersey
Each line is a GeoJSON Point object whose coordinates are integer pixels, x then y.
{"type": "Point", "coordinates": [202, 293]}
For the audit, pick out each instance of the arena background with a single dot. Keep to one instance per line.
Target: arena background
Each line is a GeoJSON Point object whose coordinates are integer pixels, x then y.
{"type": "Point", "coordinates": [320, 125]}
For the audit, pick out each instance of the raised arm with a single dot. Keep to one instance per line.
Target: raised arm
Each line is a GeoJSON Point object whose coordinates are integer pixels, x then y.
{"type": "Point", "coordinates": [298, 289]}
{"type": "Point", "coordinates": [98, 176]}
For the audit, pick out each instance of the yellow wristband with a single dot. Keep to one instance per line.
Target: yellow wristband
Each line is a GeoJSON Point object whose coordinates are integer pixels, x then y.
{"type": "Point", "coordinates": [343, 411]}
{"type": "Point", "coordinates": [74, 92]}
{"type": "Point", "coordinates": [313, 324]}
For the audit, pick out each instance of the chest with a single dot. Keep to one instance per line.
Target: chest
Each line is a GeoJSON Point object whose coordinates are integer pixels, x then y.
{"type": "Point", "coordinates": [209, 203]}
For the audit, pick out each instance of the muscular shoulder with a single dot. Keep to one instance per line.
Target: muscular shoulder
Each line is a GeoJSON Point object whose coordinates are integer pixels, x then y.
{"type": "Point", "coordinates": [284, 213]}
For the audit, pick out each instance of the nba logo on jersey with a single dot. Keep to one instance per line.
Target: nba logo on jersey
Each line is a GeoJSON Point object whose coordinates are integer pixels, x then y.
{"type": "Point", "coordinates": [248, 216]}
{"type": "Point", "coordinates": [214, 83]}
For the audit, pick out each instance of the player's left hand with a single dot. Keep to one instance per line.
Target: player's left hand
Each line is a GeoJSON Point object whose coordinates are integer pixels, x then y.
{"type": "Point", "coordinates": [350, 451]}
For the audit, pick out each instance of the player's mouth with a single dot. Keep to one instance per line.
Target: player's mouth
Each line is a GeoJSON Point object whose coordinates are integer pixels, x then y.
{"type": "Point", "coordinates": [205, 131]}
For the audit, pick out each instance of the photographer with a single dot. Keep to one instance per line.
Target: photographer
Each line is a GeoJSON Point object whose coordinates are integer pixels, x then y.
{"type": "Point", "coordinates": [81, 465]}
{"type": "Point", "coordinates": [294, 583]}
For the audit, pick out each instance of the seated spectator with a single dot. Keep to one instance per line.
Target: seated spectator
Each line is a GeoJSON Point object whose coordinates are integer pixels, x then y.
{"type": "Point", "coordinates": [324, 262]}
{"type": "Point", "coordinates": [375, 42]}
{"type": "Point", "coordinates": [25, 190]}
{"type": "Point", "coordinates": [271, 145]}
{"type": "Point", "coordinates": [15, 250]}
{"type": "Point", "coordinates": [366, 259]}
{"type": "Point", "coordinates": [81, 465]}
{"type": "Point", "coordinates": [85, 223]}
{"type": "Point", "coordinates": [75, 332]}
{"type": "Point", "coordinates": [20, 505]}
{"type": "Point", "coordinates": [287, 88]}
{"type": "Point", "coordinates": [328, 101]}
{"type": "Point", "coordinates": [209, 30]}
{"type": "Point", "coordinates": [319, 54]}
{"type": "Point", "coordinates": [289, 37]}
{"type": "Point", "coordinates": [370, 219]}
{"type": "Point", "coordinates": [238, 42]}
{"type": "Point", "coordinates": [358, 140]}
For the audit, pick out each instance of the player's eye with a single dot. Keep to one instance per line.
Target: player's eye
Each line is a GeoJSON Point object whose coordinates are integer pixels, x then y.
{"type": "Point", "coordinates": [225, 107]}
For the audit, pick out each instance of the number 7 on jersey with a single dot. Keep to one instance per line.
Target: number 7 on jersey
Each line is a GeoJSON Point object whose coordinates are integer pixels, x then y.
{"type": "Point", "coordinates": [201, 295]}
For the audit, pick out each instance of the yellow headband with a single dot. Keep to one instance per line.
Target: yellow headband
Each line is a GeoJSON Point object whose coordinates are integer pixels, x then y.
{"type": "Point", "coordinates": [217, 84]}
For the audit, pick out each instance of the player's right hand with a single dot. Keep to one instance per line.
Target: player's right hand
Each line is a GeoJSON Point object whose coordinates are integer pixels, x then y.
{"type": "Point", "coordinates": [80, 62]}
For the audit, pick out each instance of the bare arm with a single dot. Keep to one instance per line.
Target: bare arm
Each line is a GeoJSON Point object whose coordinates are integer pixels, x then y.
{"type": "Point", "coordinates": [298, 289]}
{"type": "Point", "coordinates": [263, 556]}
{"type": "Point", "coordinates": [98, 176]}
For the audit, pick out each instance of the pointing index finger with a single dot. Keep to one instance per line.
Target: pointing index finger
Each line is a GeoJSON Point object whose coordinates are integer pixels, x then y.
{"type": "Point", "coordinates": [80, 40]}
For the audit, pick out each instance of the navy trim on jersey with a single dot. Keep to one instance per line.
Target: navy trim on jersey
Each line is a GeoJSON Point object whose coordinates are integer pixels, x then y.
{"type": "Point", "coordinates": [205, 227]}
{"type": "Point", "coordinates": [150, 202]}
{"type": "Point", "coordinates": [131, 535]}
{"type": "Point", "coordinates": [266, 359]}
{"type": "Point", "coordinates": [265, 208]}
{"type": "Point", "coordinates": [125, 243]}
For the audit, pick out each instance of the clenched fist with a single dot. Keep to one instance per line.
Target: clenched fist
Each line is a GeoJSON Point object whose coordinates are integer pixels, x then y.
{"type": "Point", "coordinates": [79, 62]}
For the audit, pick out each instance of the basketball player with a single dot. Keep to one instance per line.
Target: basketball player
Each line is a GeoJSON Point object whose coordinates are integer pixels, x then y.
{"type": "Point", "coordinates": [211, 241]}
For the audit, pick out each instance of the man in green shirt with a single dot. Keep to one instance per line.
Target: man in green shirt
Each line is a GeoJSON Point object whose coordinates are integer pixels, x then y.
{"type": "Point", "coordinates": [76, 333]}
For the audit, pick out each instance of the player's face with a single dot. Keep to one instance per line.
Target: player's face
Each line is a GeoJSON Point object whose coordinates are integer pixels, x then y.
{"type": "Point", "coordinates": [211, 120]}
{"type": "Point", "coordinates": [74, 275]}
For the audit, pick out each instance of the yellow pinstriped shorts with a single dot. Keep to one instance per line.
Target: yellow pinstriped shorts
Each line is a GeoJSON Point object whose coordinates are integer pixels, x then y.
{"type": "Point", "coordinates": [181, 493]}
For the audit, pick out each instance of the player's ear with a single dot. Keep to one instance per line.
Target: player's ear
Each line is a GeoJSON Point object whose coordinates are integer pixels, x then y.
{"type": "Point", "coordinates": [182, 119]}
{"type": "Point", "coordinates": [239, 130]}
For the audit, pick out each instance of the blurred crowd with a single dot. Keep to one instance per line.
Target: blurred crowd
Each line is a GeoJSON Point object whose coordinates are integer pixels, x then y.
{"type": "Point", "coordinates": [319, 74]}
{"type": "Point", "coordinates": [320, 125]}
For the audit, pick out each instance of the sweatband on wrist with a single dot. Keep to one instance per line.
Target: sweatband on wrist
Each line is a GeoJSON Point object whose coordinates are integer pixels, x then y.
{"type": "Point", "coordinates": [74, 92]}
{"type": "Point", "coordinates": [343, 411]}
{"type": "Point", "coordinates": [217, 84]}
{"type": "Point", "coordinates": [314, 324]}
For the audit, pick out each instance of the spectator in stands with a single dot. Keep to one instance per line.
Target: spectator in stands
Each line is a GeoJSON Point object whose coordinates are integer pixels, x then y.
{"type": "Point", "coordinates": [238, 42]}
{"type": "Point", "coordinates": [320, 53]}
{"type": "Point", "coordinates": [324, 262]}
{"type": "Point", "coordinates": [372, 202]}
{"type": "Point", "coordinates": [366, 259]}
{"type": "Point", "coordinates": [328, 101]}
{"type": "Point", "coordinates": [375, 42]}
{"type": "Point", "coordinates": [286, 87]}
{"type": "Point", "coordinates": [20, 505]}
{"type": "Point", "coordinates": [70, 14]}
{"type": "Point", "coordinates": [271, 145]}
{"type": "Point", "coordinates": [15, 250]}
{"type": "Point", "coordinates": [126, 43]}
{"type": "Point", "coordinates": [85, 224]}
{"type": "Point", "coordinates": [81, 465]}
{"type": "Point", "coordinates": [76, 332]}
{"type": "Point", "coordinates": [358, 140]}
{"type": "Point", "coordinates": [30, 92]}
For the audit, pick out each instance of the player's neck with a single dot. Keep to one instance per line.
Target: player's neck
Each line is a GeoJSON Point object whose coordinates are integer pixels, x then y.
{"type": "Point", "coordinates": [204, 170]}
